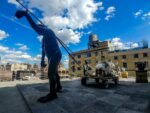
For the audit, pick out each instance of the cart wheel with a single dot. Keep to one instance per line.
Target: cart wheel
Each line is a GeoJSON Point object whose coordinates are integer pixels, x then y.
{"type": "Point", "coordinates": [105, 84]}
{"type": "Point", "coordinates": [83, 80]}
{"type": "Point", "coordinates": [97, 80]}
{"type": "Point", "coordinates": [116, 81]}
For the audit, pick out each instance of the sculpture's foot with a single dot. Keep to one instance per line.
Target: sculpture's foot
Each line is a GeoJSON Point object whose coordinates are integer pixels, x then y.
{"type": "Point", "coordinates": [47, 98]}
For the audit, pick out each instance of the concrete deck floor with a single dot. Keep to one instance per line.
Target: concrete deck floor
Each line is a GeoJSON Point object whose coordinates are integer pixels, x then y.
{"type": "Point", "coordinates": [128, 97]}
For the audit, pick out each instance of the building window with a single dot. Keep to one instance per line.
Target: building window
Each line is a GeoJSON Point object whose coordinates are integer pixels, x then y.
{"type": "Point", "coordinates": [72, 62]}
{"type": "Point", "coordinates": [89, 68]}
{"type": "Point", "coordinates": [136, 64]}
{"type": "Point", "coordinates": [136, 56]}
{"type": "Point", "coordinates": [96, 53]}
{"type": "Point", "coordinates": [88, 54]}
{"type": "Point", "coordinates": [73, 68]}
{"type": "Point", "coordinates": [145, 55]}
{"type": "Point", "coordinates": [96, 61]}
{"type": "Point", "coordinates": [115, 57]}
{"type": "Point", "coordinates": [79, 68]}
{"type": "Point", "coordinates": [79, 56]}
{"type": "Point", "coordinates": [146, 64]}
{"type": "Point", "coordinates": [124, 64]}
{"type": "Point", "coordinates": [79, 62]}
{"type": "Point", "coordinates": [124, 56]}
{"type": "Point", "coordinates": [102, 57]}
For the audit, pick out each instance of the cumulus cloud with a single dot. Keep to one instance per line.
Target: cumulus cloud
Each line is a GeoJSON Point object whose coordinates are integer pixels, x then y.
{"type": "Point", "coordinates": [12, 56]}
{"type": "Point", "coordinates": [19, 44]}
{"type": "Point", "coordinates": [110, 13]}
{"type": "Point", "coordinates": [13, 2]}
{"type": "Point", "coordinates": [110, 10]}
{"type": "Point", "coordinates": [68, 35]}
{"type": "Point", "coordinates": [3, 49]}
{"type": "Point", "coordinates": [4, 61]}
{"type": "Point", "coordinates": [22, 46]}
{"type": "Point", "coordinates": [138, 13]}
{"type": "Point", "coordinates": [145, 16]}
{"type": "Point", "coordinates": [108, 17]}
{"type": "Point", "coordinates": [117, 44]}
{"type": "Point", "coordinates": [66, 17]}
{"type": "Point", "coordinates": [134, 45]}
{"type": "Point", "coordinates": [39, 56]}
{"type": "Point", "coordinates": [3, 35]}
{"type": "Point", "coordinates": [40, 37]}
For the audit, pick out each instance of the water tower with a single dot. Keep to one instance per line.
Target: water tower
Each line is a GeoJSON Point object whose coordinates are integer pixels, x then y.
{"type": "Point", "coordinates": [145, 43]}
{"type": "Point", "coordinates": [93, 41]}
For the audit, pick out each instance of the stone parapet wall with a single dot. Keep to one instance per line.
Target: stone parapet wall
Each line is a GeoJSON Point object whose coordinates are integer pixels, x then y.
{"type": "Point", "coordinates": [5, 75]}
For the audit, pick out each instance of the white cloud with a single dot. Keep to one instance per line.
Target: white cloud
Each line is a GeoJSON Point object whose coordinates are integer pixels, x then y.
{"type": "Point", "coordinates": [25, 56]}
{"type": "Point", "coordinates": [108, 17]}
{"type": "Point", "coordinates": [116, 39]}
{"type": "Point", "coordinates": [15, 52]}
{"type": "Point", "coordinates": [68, 35]}
{"type": "Point", "coordinates": [110, 13]}
{"type": "Point", "coordinates": [138, 13]}
{"type": "Point", "coordinates": [3, 35]}
{"type": "Point", "coordinates": [4, 61]}
{"type": "Point", "coordinates": [60, 15]}
{"type": "Point", "coordinates": [40, 37]}
{"type": "Point", "coordinates": [19, 44]}
{"type": "Point", "coordinates": [101, 8]}
{"type": "Point", "coordinates": [145, 16]}
{"type": "Point", "coordinates": [3, 48]}
{"type": "Point", "coordinates": [14, 56]}
{"type": "Point", "coordinates": [22, 46]}
{"type": "Point", "coordinates": [11, 55]}
{"type": "Point", "coordinates": [39, 56]}
{"type": "Point", "coordinates": [110, 10]}
{"type": "Point", "coordinates": [13, 2]}
{"type": "Point", "coordinates": [134, 45]}
{"type": "Point", "coordinates": [117, 44]}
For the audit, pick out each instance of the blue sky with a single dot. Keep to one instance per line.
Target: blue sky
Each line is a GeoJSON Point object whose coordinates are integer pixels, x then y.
{"type": "Point", "coordinates": [121, 21]}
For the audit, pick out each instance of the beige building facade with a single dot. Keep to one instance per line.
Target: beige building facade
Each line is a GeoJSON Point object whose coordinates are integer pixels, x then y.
{"type": "Point", "coordinates": [129, 59]}
{"type": "Point", "coordinates": [62, 71]}
{"type": "Point", "coordinates": [126, 59]}
{"type": "Point", "coordinates": [19, 67]}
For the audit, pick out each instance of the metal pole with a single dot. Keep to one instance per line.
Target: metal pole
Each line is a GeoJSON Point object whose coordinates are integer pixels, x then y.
{"type": "Point", "coordinates": [30, 12]}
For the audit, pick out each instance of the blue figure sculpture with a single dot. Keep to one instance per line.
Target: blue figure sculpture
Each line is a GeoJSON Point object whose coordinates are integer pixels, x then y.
{"type": "Point", "coordinates": [50, 48]}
